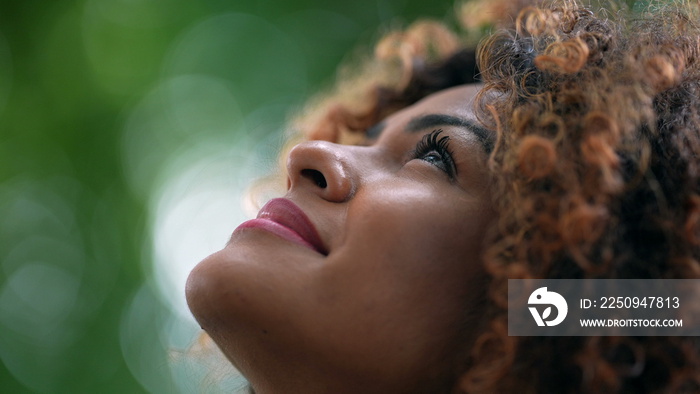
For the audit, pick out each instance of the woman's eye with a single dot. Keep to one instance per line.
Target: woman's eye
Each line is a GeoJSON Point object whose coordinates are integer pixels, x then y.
{"type": "Point", "coordinates": [436, 151]}
{"type": "Point", "coordinates": [436, 159]}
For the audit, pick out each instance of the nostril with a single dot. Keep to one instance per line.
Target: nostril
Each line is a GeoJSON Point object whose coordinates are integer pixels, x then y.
{"type": "Point", "coordinates": [316, 177]}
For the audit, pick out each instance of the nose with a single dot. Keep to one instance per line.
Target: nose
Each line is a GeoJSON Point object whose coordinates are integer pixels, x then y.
{"type": "Point", "coordinates": [323, 167]}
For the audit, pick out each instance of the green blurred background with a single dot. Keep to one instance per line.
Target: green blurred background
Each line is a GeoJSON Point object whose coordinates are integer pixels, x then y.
{"type": "Point", "coordinates": [128, 132]}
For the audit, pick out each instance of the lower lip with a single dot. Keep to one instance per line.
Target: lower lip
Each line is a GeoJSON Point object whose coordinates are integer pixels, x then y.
{"type": "Point", "coordinates": [277, 229]}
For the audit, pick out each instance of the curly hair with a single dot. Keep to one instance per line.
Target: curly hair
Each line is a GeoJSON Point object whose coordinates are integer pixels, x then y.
{"type": "Point", "coordinates": [596, 171]}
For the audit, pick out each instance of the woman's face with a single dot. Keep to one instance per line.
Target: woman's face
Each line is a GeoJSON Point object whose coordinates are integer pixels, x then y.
{"type": "Point", "coordinates": [377, 289]}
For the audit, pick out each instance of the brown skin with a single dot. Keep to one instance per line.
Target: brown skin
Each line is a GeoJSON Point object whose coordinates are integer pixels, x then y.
{"type": "Point", "coordinates": [389, 309]}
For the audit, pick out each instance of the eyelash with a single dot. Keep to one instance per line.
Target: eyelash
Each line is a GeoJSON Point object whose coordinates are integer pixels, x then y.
{"type": "Point", "coordinates": [430, 143]}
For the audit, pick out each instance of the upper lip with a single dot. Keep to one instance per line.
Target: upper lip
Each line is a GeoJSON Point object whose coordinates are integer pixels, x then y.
{"type": "Point", "coordinates": [288, 214]}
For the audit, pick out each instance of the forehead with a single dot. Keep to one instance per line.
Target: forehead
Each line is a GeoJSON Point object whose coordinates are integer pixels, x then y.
{"type": "Point", "coordinates": [457, 101]}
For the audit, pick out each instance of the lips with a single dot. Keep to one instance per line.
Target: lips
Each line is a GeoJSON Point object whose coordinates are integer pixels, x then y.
{"type": "Point", "coordinates": [285, 219]}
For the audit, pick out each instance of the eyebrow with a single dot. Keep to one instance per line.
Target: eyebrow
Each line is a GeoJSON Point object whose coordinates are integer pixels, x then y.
{"type": "Point", "coordinates": [485, 137]}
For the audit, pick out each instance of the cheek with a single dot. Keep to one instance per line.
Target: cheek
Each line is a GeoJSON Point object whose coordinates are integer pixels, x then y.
{"type": "Point", "coordinates": [408, 269]}
{"type": "Point", "coordinates": [415, 221]}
